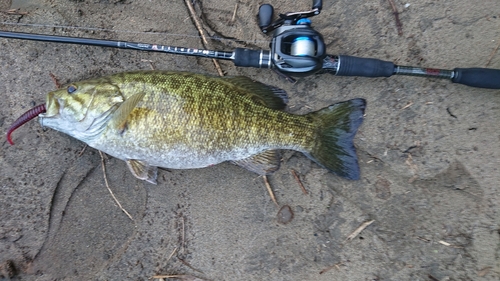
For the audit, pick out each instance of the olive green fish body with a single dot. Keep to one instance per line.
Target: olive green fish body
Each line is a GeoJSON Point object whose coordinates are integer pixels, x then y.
{"type": "Point", "coordinates": [174, 126]}
{"type": "Point", "coordinates": [184, 120]}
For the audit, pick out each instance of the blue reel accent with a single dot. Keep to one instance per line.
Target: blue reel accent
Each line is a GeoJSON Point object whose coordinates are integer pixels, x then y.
{"type": "Point", "coordinates": [304, 21]}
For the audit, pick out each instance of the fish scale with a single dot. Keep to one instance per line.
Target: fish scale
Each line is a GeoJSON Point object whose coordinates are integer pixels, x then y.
{"type": "Point", "coordinates": [222, 118]}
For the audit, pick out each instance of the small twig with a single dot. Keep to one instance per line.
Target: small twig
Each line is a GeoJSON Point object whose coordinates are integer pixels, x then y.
{"type": "Point", "coordinates": [234, 13]}
{"type": "Point", "coordinates": [200, 30]}
{"type": "Point", "coordinates": [298, 181]}
{"type": "Point", "coordinates": [413, 167]}
{"type": "Point", "coordinates": [399, 25]}
{"type": "Point", "coordinates": [164, 276]}
{"type": "Point", "coordinates": [190, 266]}
{"type": "Point", "coordinates": [449, 245]}
{"type": "Point", "coordinates": [407, 105]}
{"type": "Point", "coordinates": [492, 54]}
{"type": "Point", "coordinates": [484, 271]}
{"type": "Point", "coordinates": [109, 189]}
{"type": "Point", "coordinates": [83, 150]}
{"type": "Point", "coordinates": [183, 244]}
{"type": "Point", "coordinates": [331, 267]}
{"type": "Point", "coordinates": [444, 243]}
{"type": "Point", "coordinates": [180, 277]}
{"type": "Point", "coordinates": [358, 230]}
{"type": "Point", "coordinates": [151, 64]}
{"type": "Point", "coordinates": [451, 114]}
{"type": "Point", "coordinates": [423, 239]}
{"type": "Point", "coordinates": [270, 190]}
{"type": "Point", "coordinates": [15, 12]}
{"type": "Point", "coordinates": [171, 255]}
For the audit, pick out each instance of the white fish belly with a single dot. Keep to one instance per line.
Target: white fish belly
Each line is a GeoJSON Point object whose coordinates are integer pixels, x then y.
{"type": "Point", "coordinates": [179, 157]}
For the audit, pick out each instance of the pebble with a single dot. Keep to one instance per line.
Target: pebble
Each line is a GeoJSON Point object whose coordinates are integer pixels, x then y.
{"type": "Point", "coordinates": [285, 215]}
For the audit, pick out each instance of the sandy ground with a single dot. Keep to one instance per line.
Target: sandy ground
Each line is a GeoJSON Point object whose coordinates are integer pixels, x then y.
{"type": "Point", "coordinates": [429, 154]}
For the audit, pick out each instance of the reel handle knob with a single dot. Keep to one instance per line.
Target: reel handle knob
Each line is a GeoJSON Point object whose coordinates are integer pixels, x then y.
{"type": "Point", "coordinates": [265, 15]}
{"type": "Point", "coordinates": [317, 4]}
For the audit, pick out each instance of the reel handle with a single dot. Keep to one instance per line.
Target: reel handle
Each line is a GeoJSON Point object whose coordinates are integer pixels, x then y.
{"type": "Point", "coordinates": [266, 12]}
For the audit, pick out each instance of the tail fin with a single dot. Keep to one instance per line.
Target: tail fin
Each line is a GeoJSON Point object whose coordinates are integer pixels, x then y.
{"type": "Point", "coordinates": [334, 147]}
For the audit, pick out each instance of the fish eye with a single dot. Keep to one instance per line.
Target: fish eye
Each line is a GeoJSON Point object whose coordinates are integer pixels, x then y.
{"type": "Point", "coordinates": [71, 89]}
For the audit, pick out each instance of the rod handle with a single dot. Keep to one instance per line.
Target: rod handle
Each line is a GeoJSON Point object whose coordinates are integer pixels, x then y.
{"type": "Point", "coordinates": [477, 77]}
{"type": "Point", "coordinates": [365, 67]}
{"type": "Point", "coordinates": [252, 58]}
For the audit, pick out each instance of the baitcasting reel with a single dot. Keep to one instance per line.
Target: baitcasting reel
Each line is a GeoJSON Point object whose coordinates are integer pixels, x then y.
{"type": "Point", "coordinates": [296, 48]}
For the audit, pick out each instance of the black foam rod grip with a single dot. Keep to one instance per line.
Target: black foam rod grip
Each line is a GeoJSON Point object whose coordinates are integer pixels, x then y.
{"type": "Point", "coordinates": [317, 4]}
{"type": "Point", "coordinates": [251, 58]}
{"type": "Point", "coordinates": [477, 77]}
{"type": "Point", "coordinates": [265, 15]}
{"type": "Point", "coordinates": [365, 67]}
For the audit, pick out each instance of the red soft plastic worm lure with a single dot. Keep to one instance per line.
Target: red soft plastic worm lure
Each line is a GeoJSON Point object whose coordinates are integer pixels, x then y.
{"type": "Point", "coordinates": [27, 116]}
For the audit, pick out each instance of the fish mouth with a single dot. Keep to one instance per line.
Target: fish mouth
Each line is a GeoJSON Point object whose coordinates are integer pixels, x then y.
{"type": "Point", "coordinates": [55, 106]}
{"type": "Point", "coordinates": [60, 119]}
{"type": "Point", "coordinates": [52, 106]}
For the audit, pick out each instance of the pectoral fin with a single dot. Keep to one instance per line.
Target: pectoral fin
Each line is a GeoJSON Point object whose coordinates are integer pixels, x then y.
{"type": "Point", "coordinates": [142, 170]}
{"type": "Point", "coordinates": [264, 163]}
{"type": "Point", "coordinates": [119, 120]}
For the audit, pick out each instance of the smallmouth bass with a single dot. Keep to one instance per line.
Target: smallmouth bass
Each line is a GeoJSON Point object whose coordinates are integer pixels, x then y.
{"type": "Point", "coordinates": [182, 120]}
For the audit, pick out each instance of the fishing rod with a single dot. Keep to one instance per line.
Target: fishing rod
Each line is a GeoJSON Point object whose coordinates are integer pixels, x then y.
{"type": "Point", "coordinates": [296, 49]}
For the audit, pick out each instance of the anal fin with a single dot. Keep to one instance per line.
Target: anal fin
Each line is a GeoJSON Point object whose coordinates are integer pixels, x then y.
{"type": "Point", "coordinates": [143, 170]}
{"type": "Point", "coordinates": [264, 163]}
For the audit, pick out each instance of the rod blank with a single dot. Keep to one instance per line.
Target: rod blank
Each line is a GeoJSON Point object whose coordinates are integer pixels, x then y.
{"type": "Point", "coordinates": [119, 44]}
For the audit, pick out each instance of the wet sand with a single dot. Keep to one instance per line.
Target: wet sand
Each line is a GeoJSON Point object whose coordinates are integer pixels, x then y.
{"type": "Point", "coordinates": [429, 153]}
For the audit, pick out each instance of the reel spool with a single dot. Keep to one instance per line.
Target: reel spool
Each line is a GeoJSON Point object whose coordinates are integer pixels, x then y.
{"type": "Point", "coordinates": [303, 46]}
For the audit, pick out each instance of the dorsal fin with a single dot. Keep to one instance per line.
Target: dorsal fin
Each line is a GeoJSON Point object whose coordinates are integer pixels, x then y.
{"type": "Point", "coordinates": [269, 96]}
